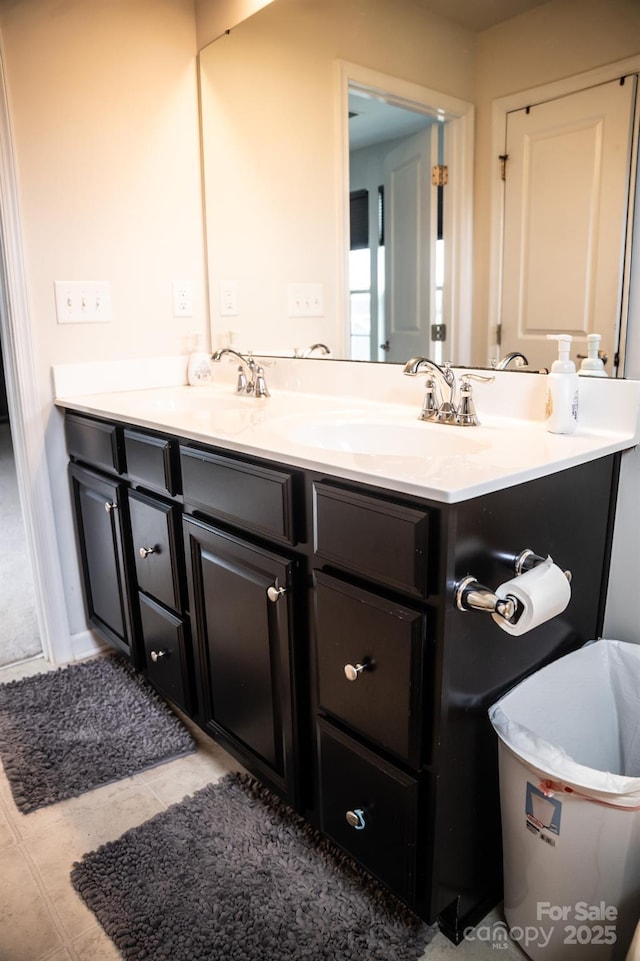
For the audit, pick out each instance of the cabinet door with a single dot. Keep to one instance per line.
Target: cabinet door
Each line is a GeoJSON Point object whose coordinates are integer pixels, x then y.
{"type": "Point", "coordinates": [241, 610]}
{"type": "Point", "coordinates": [101, 527]}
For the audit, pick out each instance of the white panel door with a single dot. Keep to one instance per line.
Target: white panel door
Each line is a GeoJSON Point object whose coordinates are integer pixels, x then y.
{"type": "Point", "coordinates": [408, 246]}
{"type": "Point", "coordinates": [566, 195]}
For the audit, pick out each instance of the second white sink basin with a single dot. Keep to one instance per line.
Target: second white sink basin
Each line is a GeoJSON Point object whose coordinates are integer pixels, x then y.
{"type": "Point", "coordinates": [393, 437]}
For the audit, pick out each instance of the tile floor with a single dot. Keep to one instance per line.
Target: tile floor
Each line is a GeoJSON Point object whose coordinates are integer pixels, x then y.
{"type": "Point", "coordinates": [41, 916]}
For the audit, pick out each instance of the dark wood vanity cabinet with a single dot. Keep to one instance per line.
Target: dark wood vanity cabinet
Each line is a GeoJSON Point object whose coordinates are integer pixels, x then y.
{"type": "Point", "coordinates": [129, 538]}
{"type": "Point", "coordinates": [406, 759]}
{"type": "Point", "coordinates": [309, 624]}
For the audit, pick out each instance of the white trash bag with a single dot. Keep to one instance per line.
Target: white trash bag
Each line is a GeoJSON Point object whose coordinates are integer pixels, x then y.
{"type": "Point", "coordinates": [569, 754]}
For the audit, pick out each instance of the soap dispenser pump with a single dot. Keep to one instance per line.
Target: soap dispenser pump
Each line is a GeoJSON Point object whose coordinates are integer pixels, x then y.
{"type": "Point", "coordinates": [592, 365]}
{"type": "Point", "coordinates": [562, 390]}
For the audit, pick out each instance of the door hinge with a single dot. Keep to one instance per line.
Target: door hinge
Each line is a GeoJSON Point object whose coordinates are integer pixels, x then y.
{"type": "Point", "coordinates": [498, 335]}
{"type": "Point", "coordinates": [438, 332]}
{"type": "Point", "coordinates": [439, 175]}
{"type": "Point", "coordinates": [503, 157]}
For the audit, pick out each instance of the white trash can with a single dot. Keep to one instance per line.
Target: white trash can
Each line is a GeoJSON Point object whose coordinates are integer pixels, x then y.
{"type": "Point", "coordinates": [569, 754]}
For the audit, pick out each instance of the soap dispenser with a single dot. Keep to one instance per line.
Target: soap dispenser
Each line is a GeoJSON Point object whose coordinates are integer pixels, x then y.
{"type": "Point", "coordinates": [562, 390]}
{"type": "Point", "coordinates": [199, 367]}
{"type": "Point", "coordinates": [592, 365]}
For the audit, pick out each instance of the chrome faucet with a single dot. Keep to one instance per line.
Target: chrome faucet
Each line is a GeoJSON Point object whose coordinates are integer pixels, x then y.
{"type": "Point", "coordinates": [515, 358]}
{"type": "Point", "coordinates": [452, 410]}
{"type": "Point", "coordinates": [251, 379]}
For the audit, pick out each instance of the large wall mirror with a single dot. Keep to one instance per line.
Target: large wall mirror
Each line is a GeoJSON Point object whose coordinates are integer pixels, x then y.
{"type": "Point", "coordinates": [352, 195]}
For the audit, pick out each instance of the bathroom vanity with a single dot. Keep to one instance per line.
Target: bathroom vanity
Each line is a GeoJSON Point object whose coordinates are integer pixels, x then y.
{"type": "Point", "coordinates": [298, 602]}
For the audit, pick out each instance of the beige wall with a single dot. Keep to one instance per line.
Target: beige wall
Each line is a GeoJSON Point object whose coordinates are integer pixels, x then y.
{"type": "Point", "coordinates": [560, 39]}
{"type": "Point", "coordinates": [103, 104]}
{"type": "Point", "coordinates": [104, 108]}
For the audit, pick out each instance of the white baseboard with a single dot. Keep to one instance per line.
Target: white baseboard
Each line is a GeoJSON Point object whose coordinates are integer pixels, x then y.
{"type": "Point", "coordinates": [84, 644]}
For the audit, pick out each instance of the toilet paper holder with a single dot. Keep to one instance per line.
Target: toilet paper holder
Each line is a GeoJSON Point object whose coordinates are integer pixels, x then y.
{"type": "Point", "coordinates": [470, 595]}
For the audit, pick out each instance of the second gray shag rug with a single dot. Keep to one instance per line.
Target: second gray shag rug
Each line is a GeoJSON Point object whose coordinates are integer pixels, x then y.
{"type": "Point", "coordinates": [67, 731]}
{"type": "Point", "coordinates": [233, 874]}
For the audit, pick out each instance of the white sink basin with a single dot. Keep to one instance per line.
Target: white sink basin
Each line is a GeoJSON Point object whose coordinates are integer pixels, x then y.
{"type": "Point", "coordinates": [184, 400]}
{"type": "Point", "coordinates": [392, 437]}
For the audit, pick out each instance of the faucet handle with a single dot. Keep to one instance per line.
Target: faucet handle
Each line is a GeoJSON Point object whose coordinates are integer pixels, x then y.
{"type": "Point", "coordinates": [466, 415]}
{"type": "Point", "coordinates": [432, 400]}
{"type": "Point", "coordinates": [241, 386]}
{"type": "Point", "coordinates": [260, 388]}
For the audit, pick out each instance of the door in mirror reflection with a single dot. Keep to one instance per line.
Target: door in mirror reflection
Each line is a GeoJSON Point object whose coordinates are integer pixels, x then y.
{"type": "Point", "coordinates": [395, 289]}
{"type": "Point", "coordinates": [566, 197]}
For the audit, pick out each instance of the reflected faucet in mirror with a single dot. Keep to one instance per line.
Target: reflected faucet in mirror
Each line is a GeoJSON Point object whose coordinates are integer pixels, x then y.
{"type": "Point", "coordinates": [515, 357]}
{"type": "Point", "coordinates": [455, 411]}
{"type": "Point", "coordinates": [309, 351]}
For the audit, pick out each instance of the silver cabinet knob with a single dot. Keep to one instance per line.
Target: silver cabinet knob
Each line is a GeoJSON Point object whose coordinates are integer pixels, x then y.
{"type": "Point", "coordinates": [275, 593]}
{"type": "Point", "coordinates": [355, 819]}
{"type": "Point", "coordinates": [353, 673]}
{"type": "Point", "coordinates": [110, 506]}
{"type": "Point", "coordinates": [144, 551]}
{"type": "Point", "coordinates": [156, 655]}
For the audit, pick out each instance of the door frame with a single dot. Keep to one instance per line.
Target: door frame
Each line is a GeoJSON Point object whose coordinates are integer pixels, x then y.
{"type": "Point", "coordinates": [499, 109]}
{"type": "Point", "coordinates": [25, 407]}
{"type": "Point", "coordinates": [459, 115]}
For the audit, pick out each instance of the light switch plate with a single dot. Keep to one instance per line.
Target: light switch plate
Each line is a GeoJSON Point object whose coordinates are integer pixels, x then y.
{"type": "Point", "coordinates": [83, 301]}
{"type": "Point", "coordinates": [305, 300]}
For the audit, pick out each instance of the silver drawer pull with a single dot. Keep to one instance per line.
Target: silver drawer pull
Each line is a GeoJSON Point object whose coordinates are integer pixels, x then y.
{"type": "Point", "coordinates": [110, 506]}
{"type": "Point", "coordinates": [356, 819]}
{"type": "Point", "coordinates": [144, 551]}
{"type": "Point", "coordinates": [274, 593]}
{"type": "Point", "coordinates": [353, 673]}
{"type": "Point", "coordinates": [156, 655]}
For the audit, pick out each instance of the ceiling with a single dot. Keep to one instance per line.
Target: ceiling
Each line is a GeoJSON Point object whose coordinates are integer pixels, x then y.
{"type": "Point", "coordinates": [480, 14]}
{"type": "Point", "coordinates": [372, 120]}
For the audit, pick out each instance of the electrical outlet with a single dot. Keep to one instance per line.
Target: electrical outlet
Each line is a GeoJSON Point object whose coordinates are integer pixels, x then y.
{"type": "Point", "coordinates": [305, 300]}
{"type": "Point", "coordinates": [83, 301]}
{"type": "Point", "coordinates": [182, 299]}
{"type": "Point", "coordinates": [228, 298]}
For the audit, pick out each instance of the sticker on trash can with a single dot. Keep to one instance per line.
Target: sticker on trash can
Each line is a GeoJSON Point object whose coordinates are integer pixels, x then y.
{"type": "Point", "coordinates": [543, 814]}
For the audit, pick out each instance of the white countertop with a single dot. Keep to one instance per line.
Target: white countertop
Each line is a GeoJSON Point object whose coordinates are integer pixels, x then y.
{"type": "Point", "coordinates": [394, 450]}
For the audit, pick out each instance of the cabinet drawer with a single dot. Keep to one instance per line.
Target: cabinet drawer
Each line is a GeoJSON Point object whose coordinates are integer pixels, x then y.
{"type": "Point", "coordinates": [383, 701]}
{"type": "Point", "coordinates": [164, 641]}
{"type": "Point", "coordinates": [381, 799]}
{"type": "Point", "coordinates": [154, 527]}
{"type": "Point", "coordinates": [94, 442]}
{"type": "Point", "coordinates": [149, 461]}
{"type": "Point", "coordinates": [372, 537]}
{"type": "Point", "coordinates": [254, 497]}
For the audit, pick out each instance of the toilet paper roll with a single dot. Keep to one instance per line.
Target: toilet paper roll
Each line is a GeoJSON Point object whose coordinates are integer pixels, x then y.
{"type": "Point", "coordinates": [543, 593]}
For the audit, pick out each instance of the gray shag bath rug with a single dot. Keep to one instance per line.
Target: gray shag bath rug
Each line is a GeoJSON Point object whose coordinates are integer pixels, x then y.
{"type": "Point", "coordinates": [234, 874]}
{"type": "Point", "coordinates": [67, 731]}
